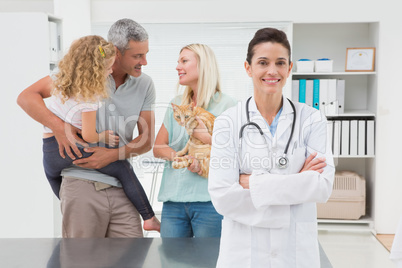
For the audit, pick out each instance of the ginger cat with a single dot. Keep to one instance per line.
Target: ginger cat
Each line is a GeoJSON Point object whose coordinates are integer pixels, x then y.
{"type": "Point", "coordinates": [185, 116]}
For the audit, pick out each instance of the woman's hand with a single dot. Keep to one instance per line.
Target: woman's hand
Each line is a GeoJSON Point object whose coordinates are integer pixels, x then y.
{"type": "Point", "coordinates": [201, 132]}
{"type": "Point", "coordinates": [108, 137]}
{"type": "Point", "coordinates": [244, 181]}
{"type": "Point", "coordinates": [195, 165]}
{"type": "Point", "coordinates": [314, 164]}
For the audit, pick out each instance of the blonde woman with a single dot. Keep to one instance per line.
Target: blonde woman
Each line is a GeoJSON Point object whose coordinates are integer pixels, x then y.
{"type": "Point", "coordinates": [78, 86]}
{"type": "Point", "coordinates": [187, 208]}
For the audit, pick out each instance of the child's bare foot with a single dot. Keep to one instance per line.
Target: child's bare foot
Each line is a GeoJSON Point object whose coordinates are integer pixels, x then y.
{"type": "Point", "coordinates": [152, 224]}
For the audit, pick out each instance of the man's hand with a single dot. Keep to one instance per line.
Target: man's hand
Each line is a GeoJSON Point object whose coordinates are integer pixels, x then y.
{"type": "Point", "coordinates": [31, 101]}
{"type": "Point", "coordinates": [67, 138]}
{"type": "Point", "coordinates": [100, 158]}
{"type": "Point", "coordinates": [314, 164]}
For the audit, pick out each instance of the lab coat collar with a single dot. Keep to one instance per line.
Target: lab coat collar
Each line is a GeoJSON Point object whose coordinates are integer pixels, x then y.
{"type": "Point", "coordinates": [287, 108]}
{"type": "Point", "coordinates": [285, 119]}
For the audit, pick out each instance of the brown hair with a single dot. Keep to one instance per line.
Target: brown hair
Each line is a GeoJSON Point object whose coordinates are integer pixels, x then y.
{"type": "Point", "coordinates": [267, 35]}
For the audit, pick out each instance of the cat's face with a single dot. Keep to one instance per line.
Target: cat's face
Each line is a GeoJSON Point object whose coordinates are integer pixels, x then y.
{"type": "Point", "coordinates": [182, 114]}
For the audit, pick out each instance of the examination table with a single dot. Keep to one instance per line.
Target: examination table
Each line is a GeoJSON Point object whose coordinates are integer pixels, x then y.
{"type": "Point", "coordinates": [113, 252]}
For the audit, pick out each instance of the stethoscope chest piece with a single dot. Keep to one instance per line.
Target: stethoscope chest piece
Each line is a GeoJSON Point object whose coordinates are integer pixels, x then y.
{"type": "Point", "coordinates": [282, 162]}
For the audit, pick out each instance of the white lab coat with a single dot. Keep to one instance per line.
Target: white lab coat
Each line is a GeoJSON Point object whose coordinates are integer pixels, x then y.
{"type": "Point", "coordinates": [274, 223]}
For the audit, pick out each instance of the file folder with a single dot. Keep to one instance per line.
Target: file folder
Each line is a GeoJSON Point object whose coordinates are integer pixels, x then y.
{"type": "Point", "coordinates": [323, 94]}
{"type": "Point", "coordinates": [345, 135]}
{"type": "Point", "coordinates": [330, 134]}
{"type": "Point", "coordinates": [331, 107]}
{"type": "Point", "coordinates": [337, 138]}
{"type": "Point", "coordinates": [316, 93]}
{"type": "Point", "coordinates": [302, 90]}
{"type": "Point", "coordinates": [309, 92]}
{"type": "Point", "coordinates": [370, 137]}
{"type": "Point", "coordinates": [295, 90]}
{"type": "Point", "coordinates": [353, 137]}
{"type": "Point", "coordinates": [361, 147]}
{"type": "Point", "coordinates": [340, 95]}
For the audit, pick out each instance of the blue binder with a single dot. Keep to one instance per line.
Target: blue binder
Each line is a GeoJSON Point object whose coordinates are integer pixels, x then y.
{"type": "Point", "coordinates": [316, 94]}
{"type": "Point", "coordinates": [302, 90]}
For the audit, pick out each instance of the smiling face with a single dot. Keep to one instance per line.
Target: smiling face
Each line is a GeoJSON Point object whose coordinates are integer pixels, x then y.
{"type": "Point", "coordinates": [269, 68]}
{"type": "Point", "coordinates": [133, 59]}
{"type": "Point", "coordinates": [187, 68]}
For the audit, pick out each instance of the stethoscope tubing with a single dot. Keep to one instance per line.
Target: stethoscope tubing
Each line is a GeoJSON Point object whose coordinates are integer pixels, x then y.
{"type": "Point", "coordinates": [249, 123]}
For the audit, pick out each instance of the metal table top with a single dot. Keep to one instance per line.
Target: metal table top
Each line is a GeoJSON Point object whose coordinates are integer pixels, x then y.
{"type": "Point", "coordinates": [113, 252]}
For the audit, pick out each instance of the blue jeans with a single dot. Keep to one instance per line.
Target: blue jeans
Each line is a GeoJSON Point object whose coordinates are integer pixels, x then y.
{"type": "Point", "coordinates": [190, 219]}
{"type": "Point", "coordinates": [53, 164]}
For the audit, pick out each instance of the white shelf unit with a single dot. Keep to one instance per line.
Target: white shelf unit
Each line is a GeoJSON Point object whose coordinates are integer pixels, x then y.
{"type": "Point", "coordinates": [330, 40]}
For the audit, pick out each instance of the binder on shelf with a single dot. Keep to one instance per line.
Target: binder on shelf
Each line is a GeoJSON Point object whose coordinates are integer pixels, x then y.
{"type": "Point", "coordinates": [330, 134]}
{"type": "Point", "coordinates": [316, 93]}
{"type": "Point", "coordinates": [361, 142]}
{"type": "Point", "coordinates": [345, 135]}
{"type": "Point", "coordinates": [331, 107]}
{"type": "Point", "coordinates": [336, 150]}
{"type": "Point", "coordinates": [353, 138]}
{"type": "Point", "coordinates": [309, 92]}
{"type": "Point", "coordinates": [370, 137]}
{"type": "Point", "coordinates": [302, 90]}
{"type": "Point", "coordinates": [323, 94]}
{"type": "Point", "coordinates": [295, 90]}
{"type": "Point", "coordinates": [340, 95]}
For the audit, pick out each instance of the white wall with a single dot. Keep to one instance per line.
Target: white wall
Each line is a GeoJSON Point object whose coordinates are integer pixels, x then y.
{"type": "Point", "coordinates": [45, 6]}
{"type": "Point", "coordinates": [388, 199]}
{"type": "Point", "coordinates": [76, 16]}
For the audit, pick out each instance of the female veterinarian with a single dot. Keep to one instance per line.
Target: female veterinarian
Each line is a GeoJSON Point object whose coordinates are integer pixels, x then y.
{"type": "Point", "coordinates": [270, 163]}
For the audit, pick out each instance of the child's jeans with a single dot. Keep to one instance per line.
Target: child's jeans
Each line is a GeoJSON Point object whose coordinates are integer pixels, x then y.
{"type": "Point", "coordinates": [53, 164]}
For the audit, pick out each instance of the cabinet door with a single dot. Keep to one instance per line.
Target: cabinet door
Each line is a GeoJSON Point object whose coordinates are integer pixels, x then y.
{"type": "Point", "coordinates": [27, 200]}
{"type": "Point", "coordinates": [53, 41]}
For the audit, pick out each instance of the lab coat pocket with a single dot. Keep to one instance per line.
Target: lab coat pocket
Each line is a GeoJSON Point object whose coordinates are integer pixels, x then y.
{"type": "Point", "coordinates": [235, 244]}
{"type": "Point", "coordinates": [297, 157]}
{"type": "Point", "coordinates": [307, 250]}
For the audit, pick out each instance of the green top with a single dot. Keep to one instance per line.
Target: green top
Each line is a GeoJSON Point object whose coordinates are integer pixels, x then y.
{"type": "Point", "coordinates": [182, 185]}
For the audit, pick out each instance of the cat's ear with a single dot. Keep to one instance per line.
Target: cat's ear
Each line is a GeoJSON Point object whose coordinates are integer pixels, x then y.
{"type": "Point", "coordinates": [174, 106]}
{"type": "Point", "coordinates": [191, 106]}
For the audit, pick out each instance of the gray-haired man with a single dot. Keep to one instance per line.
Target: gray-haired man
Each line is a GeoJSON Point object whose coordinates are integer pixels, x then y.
{"type": "Point", "coordinates": [93, 204]}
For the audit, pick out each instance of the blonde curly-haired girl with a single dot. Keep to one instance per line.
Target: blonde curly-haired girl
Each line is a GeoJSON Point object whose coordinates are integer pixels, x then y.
{"type": "Point", "coordinates": [79, 86]}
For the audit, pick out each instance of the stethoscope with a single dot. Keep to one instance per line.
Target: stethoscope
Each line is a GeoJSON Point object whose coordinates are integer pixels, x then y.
{"type": "Point", "coordinates": [281, 161]}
